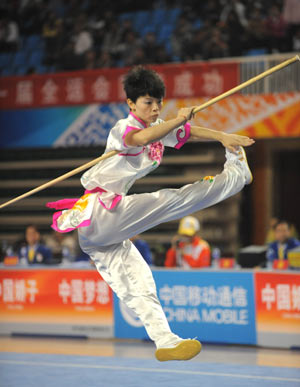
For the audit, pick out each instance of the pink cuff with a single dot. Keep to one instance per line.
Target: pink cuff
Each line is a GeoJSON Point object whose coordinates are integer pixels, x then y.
{"type": "Point", "coordinates": [128, 129]}
{"type": "Point", "coordinates": [183, 140]}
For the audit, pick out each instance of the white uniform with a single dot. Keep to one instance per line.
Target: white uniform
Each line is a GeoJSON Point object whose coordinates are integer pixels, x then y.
{"type": "Point", "coordinates": [107, 218]}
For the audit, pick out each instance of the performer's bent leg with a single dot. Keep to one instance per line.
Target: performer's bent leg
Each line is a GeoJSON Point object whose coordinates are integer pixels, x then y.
{"type": "Point", "coordinates": [129, 276]}
{"type": "Point", "coordinates": [137, 213]}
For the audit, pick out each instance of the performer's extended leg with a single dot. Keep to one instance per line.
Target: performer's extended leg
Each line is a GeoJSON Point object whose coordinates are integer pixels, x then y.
{"type": "Point", "coordinates": [137, 213]}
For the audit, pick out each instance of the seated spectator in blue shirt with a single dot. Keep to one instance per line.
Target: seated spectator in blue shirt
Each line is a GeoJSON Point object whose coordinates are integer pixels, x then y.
{"type": "Point", "coordinates": [34, 252]}
{"type": "Point", "coordinates": [143, 248]}
{"type": "Point", "coordinates": [283, 242]}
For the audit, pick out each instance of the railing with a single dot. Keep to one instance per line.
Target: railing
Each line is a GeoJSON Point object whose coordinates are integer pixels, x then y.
{"type": "Point", "coordinates": [285, 80]}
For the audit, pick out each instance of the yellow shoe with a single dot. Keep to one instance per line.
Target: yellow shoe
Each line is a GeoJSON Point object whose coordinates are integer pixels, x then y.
{"type": "Point", "coordinates": [185, 350]}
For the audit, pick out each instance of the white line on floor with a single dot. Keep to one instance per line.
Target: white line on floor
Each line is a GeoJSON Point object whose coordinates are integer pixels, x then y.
{"type": "Point", "coordinates": [139, 369]}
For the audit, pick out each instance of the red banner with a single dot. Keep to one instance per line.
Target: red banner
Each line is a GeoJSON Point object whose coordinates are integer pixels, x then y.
{"type": "Point", "coordinates": [54, 296]}
{"type": "Point", "coordinates": [278, 302]}
{"type": "Point", "coordinates": [104, 86]}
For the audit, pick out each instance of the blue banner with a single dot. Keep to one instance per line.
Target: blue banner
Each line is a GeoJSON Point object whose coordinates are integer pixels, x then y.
{"type": "Point", "coordinates": [59, 126]}
{"type": "Point", "coordinates": [216, 307]}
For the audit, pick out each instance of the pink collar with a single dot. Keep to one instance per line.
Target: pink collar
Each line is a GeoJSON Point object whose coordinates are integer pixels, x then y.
{"type": "Point", "coordinates": [138, 119]}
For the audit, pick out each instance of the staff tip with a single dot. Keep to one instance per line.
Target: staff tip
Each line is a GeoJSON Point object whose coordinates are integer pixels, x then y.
{"type": "Point", "coordinates": [298, 57]}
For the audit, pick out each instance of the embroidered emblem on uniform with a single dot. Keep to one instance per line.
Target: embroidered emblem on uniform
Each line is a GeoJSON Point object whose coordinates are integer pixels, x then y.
{"type": "Point", "coordinates": [156, 150]}
{"type": "Point", "coordinates": [209, 178]}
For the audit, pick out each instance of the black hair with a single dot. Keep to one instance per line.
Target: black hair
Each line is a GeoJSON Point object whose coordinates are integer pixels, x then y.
{"type": "Point", "coordinates": [34, 226]}
{"type": "Point", "coordinates": [141, 81]}
{"type": "Point", "coordinates": [282, 221]}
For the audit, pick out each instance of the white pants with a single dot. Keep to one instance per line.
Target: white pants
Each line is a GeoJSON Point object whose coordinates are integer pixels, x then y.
{"type": "Point", "coordinates": [119, 262]}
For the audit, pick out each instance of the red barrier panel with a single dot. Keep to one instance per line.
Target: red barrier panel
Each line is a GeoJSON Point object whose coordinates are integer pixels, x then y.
{"type": "Point", "coordinates": [103, 86]}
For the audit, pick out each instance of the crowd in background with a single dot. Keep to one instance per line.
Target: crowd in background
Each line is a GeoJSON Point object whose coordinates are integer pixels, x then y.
{"type": "Point", "coordinates": [88, 34]}
{"type": "Point", "coordinates": [186, 249]}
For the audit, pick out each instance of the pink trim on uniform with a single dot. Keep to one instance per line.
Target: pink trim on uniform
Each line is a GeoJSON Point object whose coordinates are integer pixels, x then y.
{"type": "Point", "coordinates": [62, 204]}
{"type": "Point", "coordinates": [132, 154]}
{"type": "Point", "coordinates": [115, 201]}
{"type": "Point", "coordinates": [138, 119]}
{"type": "Point", "coordinates": [97, 189]}
{"type": "Point", "coordinates": [183, 140]}
{"type": "Point", "coordinates": [128, 129]}
{"type": "Point", "coordinates": [55, 227]}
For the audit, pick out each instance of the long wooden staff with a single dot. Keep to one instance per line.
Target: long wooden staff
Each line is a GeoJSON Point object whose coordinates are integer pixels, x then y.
{"type": "Point", "coordinates": [113, 153]}
{"type": "Point", "coordinates": [247, 83]}
{"type": "Point", "coordinates": [61, 178]}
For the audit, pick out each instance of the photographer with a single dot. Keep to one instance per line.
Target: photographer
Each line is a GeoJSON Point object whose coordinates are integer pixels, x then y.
{"type": "Point", "coordinates": [188, 250]}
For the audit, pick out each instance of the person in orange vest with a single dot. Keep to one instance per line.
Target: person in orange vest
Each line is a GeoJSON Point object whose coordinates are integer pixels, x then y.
{"type": "Point", "coordinates": [188, 250]}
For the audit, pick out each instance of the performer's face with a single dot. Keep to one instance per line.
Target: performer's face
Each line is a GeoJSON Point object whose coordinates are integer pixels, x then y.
{"type": "Point", "coordinates": [147, 108]}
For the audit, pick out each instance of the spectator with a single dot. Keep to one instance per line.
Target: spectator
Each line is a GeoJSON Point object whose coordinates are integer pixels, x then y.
{"type": "Point", "coordinates": [291, 15]}
{"type": "Point", "coordinates": [130, 48]}
{"type": "Point", "coordinates": [296, 41]}
{"type": "Point", "coordinates": [67, 60]}
{"type": "Point", "coordinates": [52, 35]}
{"type": "Point", "coordinates": [282, 244]}
{"type": "Point", "coordinates": [215, 46]}
{"type": "Point", "coordinates": [138, 57]}
{"type": "Point", "coordinates": [112, 40]}
{"type": "Point", "coordinates": [32, 17]}
{"type": "Point", "coordinates": [276, 30]}
{"type": "Point", "coordinates": [33, 251]}
{"type": "Point", "coordinates": [162, 55]}
{"type": "Point", "coordinates": [98, 38]}
{"type": "Point", "coordinates": [82, 38]}
{"type": "Point", "coordinates": [90, 60]}
{"type": "Point", "coordinates": [256, 31]}
{"type": "Point", "coordinates": [194, 48]}
{"type": "Point", "coordinates": [271, 232]}
{"type": "Point", "coordinates": [238, 8]}
{"type": "Point", "coordinates": [105, 60]}
{"type": "Point", "coordinates": [211, 11]}
{"type": "Point", "coordinates": [9, 35]}
{"type": "Point", "coordinates": [235, 33]}
{"type": "Point", "coordinates": [150, 47]}
{"type": "Point", "coordinates": [64, 247]}
{"type": "Point", "coordinates": [188, 249]}
{"type": "Point", "coordinates": [181, 37]}
{"type": "Point", "coordinates": [143, 248]}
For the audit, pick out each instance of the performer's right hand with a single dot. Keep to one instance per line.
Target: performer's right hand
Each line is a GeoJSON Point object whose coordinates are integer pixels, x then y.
{"type": "Point", "coordinates": [186, 113]}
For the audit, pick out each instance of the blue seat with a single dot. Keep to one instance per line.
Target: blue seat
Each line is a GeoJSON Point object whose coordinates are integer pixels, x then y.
{"type": "Point", "coordinates": [33, 42]}
{"type": "Point", "coordinates": [145, 29]}
{"type": "Point", "coordinates": [127, 16]}
{"type": "Point", "coordinates": [35, 58]}
{"type": "Point", "coordinates": [21, 70]}
{"type": "Point", "coordinates": [158, 16]}
{"type": "Point", "coordinates": [165, 32]}
{"type": "Point", "coordinates": [41, 69]}
{"type": "Point", "coordinates": [5, 60]}
{"type": "Point", "coordinates": [19, 58]}
{"type": "Point", "coordinates": [256, 51]}
{"type": "Point", "coordinates": [7, 71]}
{"type": "Point", "coordinates": [141, 18]}
{"type": "Point", "coordinates": [172, 15]}
{"type": "Point", "coordinates": [168, 46]}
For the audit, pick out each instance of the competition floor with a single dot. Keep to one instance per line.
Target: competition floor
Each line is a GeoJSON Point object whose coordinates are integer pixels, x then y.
{"type": "Point", "coordinates": [35, 362]}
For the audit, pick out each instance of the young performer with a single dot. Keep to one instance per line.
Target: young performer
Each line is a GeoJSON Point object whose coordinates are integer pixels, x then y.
{"type": "Point", "coordinates": [106, 217]}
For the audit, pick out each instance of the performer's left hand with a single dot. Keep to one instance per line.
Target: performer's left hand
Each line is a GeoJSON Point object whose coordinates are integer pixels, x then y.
{"type": "Point", "coordinates": [232, 141]}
